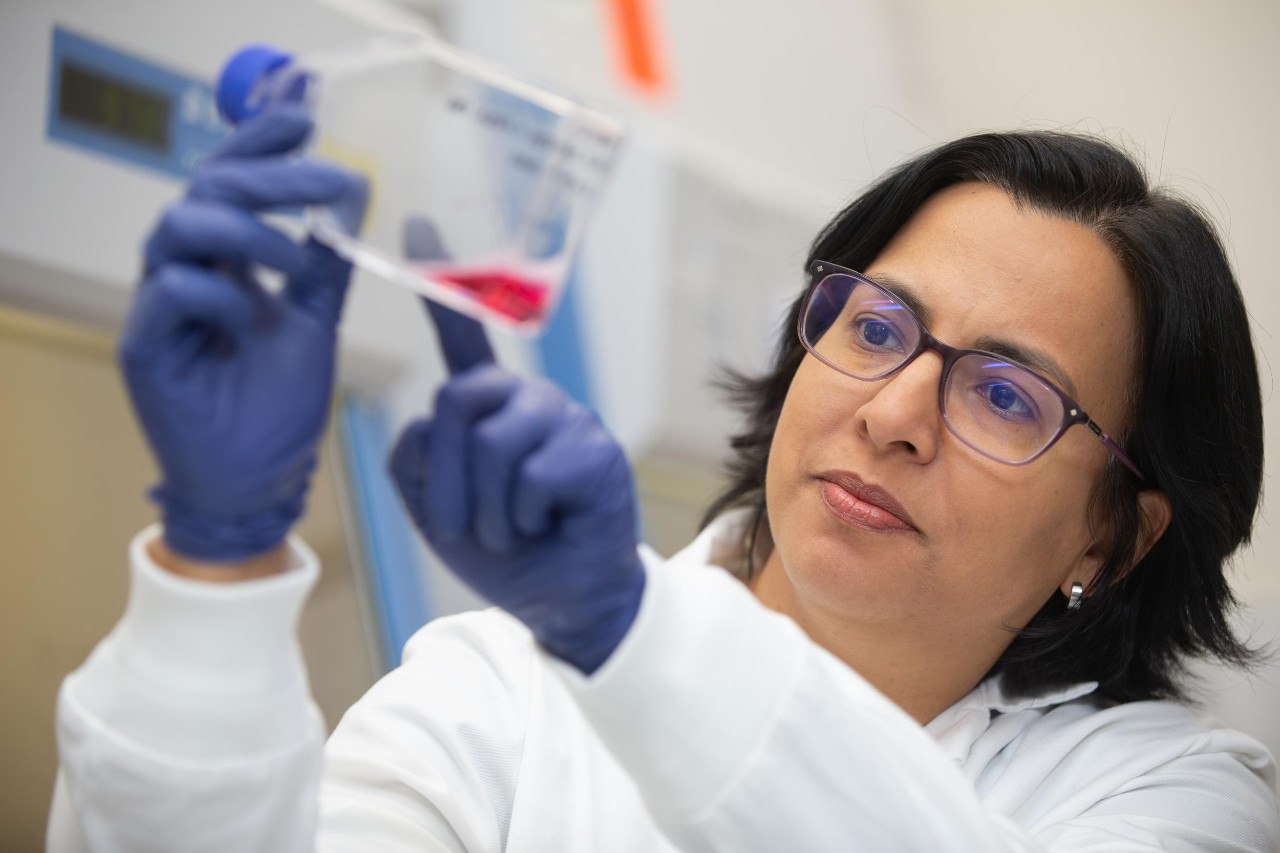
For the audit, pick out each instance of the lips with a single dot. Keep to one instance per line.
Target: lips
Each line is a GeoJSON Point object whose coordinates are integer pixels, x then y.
{"type": "Point", "coordinates": [863, 505]}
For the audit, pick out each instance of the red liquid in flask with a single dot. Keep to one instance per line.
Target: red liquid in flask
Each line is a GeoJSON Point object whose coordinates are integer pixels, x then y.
{"type": "Point", "coordinates": [512, 295]}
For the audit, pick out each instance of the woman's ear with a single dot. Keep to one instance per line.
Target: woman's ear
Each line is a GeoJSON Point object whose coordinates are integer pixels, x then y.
{"type": "Point", "coordinates": [1154, 515]}
{"type": "Point", "coordinates": [1155, 512]}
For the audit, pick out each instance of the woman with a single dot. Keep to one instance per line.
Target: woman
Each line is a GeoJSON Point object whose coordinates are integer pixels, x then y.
{"type": "Point", "coordinates": [973, 614]}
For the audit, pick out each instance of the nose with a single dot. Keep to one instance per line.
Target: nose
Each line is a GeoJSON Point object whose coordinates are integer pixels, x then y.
{"type": "Point", "coordinates": [902, 417]}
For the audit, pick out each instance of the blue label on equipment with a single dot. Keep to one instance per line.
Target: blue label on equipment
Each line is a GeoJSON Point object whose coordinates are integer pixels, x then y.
{"type": "Point", "coordinates": [120, 106]}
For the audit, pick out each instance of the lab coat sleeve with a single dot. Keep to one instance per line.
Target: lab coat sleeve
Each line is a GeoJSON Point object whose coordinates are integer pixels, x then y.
{"type": "Point", "coordinates": [190, 726]}
{"type": "Point", "coordinates": [743, 735]}
{"type": "Point", "coordinates": [429, 758]}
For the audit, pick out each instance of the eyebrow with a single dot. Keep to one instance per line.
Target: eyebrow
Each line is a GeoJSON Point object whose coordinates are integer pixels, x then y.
{"type": "Point", "coordinates": [906, 294]}
{"type": "Point", "coordinates": [1028, 356]}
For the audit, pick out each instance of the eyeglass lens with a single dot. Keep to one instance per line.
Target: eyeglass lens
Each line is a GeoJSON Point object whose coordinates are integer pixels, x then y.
{"type": "Point", "coordinates": [998, 408]}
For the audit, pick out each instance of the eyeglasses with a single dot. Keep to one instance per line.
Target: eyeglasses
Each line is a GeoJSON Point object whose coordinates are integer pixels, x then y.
{"type": "Point", "coordinates": [996, 406]}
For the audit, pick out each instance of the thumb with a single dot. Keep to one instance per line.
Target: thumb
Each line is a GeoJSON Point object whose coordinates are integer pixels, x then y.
{"type": "Point", "coordinates": [320, 288]}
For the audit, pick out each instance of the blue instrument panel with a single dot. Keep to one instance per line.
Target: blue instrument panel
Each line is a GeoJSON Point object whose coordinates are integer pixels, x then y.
{"type": "Point", "coordinates": [120, 106]}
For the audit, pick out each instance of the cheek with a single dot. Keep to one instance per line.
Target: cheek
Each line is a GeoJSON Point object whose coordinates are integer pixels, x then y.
{"type": "Point", "coordinates": [1019, 542]}
{"type": "Point", "coordinates": [780, 471]}
{"type": "Point", "coordinates": [819, 405]}
{"type": "Point", "coordinates": [812, 417]}
{"type": "Point", "coordinates": [804, 427]}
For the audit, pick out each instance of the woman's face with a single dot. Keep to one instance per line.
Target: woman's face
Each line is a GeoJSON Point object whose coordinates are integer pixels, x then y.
{"type": "Point", "coordinates": [987, 543]}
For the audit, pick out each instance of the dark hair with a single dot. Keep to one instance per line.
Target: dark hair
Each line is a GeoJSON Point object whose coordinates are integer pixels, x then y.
{"type": "Point", "coordinates": [1194, 424]}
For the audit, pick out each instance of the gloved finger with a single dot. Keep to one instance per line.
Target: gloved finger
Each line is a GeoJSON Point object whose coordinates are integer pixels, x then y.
{"type": "Point", "coordinates": [462, 340]}
{"type": "Point", "coordinates": [351, 204]}
{"type": "Point", "coordinates": [499, 446]}
{"type": "Point", "coordinates": [185, 302]}
{"type": "Point", "coordinates": [275, 182]}
{"type": "Point", "coordinates": [579, 468]}
{"type": "Point", "coordinates": [279, 130]}
{"type": "Point", "coordinates": [422, 240]}
{"type": "Point", "coordinates": [205, 233]}
{"type": "Point", "coordinates": [460, 403]}
{"type": "Point", "coordinates": [408, 465]}
{"type": "Point", "coordinates": [321, 288]}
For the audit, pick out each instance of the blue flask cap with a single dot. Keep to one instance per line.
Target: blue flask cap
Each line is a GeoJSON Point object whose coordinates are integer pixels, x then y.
{"type": "Point", "coordinates": [242, 73]}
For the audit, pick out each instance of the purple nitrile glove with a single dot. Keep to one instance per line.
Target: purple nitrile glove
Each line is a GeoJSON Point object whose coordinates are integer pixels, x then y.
{"type": "Point", "coordinates": [232, 383]}
{"type": "Point", "coordinates": [526, 497]}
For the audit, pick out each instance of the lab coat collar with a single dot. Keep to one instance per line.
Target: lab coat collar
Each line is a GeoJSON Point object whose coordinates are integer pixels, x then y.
{"type": "Point", "coordinates": [959, 727]}
{"type": "Point", "coordinates": [990, 694]}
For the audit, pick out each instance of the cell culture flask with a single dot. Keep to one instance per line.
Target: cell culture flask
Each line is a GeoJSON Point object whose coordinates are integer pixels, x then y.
{"type": "Point", "coordinates": [481, 184]}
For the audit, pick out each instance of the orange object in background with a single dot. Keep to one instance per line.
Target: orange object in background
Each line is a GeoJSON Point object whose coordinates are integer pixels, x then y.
{"type": "Point", "coordinates": [635, 31]}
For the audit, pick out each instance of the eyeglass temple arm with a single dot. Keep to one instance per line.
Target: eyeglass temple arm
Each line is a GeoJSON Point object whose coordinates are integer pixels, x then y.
{"type": "Point", "coordinates": [1110, 444]}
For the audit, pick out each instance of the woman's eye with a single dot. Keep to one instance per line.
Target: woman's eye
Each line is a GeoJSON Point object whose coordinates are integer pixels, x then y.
{"type": "Point", "coordinates": [877, 333]}
{"type": "Point", "coordinates": [1006, 400]}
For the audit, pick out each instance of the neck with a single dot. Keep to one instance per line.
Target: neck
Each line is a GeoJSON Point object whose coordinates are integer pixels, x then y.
{"type": "Point", "coordinates": [921, 672]}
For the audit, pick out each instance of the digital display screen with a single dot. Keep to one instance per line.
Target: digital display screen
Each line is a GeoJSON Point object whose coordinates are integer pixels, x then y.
{"type": "Point", "coordinates": [114, 107]}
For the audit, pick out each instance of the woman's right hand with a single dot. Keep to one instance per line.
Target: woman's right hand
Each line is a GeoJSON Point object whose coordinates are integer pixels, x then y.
{"type": "Point", "coordinates": [527, 498]}
{"type": "Point", "coordinates": [231, 382]}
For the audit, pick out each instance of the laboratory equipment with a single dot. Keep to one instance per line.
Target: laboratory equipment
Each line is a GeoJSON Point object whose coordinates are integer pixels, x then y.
{"type": "Point", "coordinates": [504, 172]}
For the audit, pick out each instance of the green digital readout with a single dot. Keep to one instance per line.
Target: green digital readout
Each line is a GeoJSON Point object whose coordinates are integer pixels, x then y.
{"type": "Point", "coordinates": [114, 107]}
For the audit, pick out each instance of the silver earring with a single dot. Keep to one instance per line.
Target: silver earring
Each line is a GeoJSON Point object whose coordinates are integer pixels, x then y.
{"type": "Point", "coordinates": [1077, 593]}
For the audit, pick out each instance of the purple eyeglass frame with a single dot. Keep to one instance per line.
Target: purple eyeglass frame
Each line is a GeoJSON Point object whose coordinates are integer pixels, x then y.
{"type": "Point", "coordinates": [1072, 412]}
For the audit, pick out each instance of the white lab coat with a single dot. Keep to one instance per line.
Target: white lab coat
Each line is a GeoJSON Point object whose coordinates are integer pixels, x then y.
{"type": "Point", "coordinates": [716, 725]}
